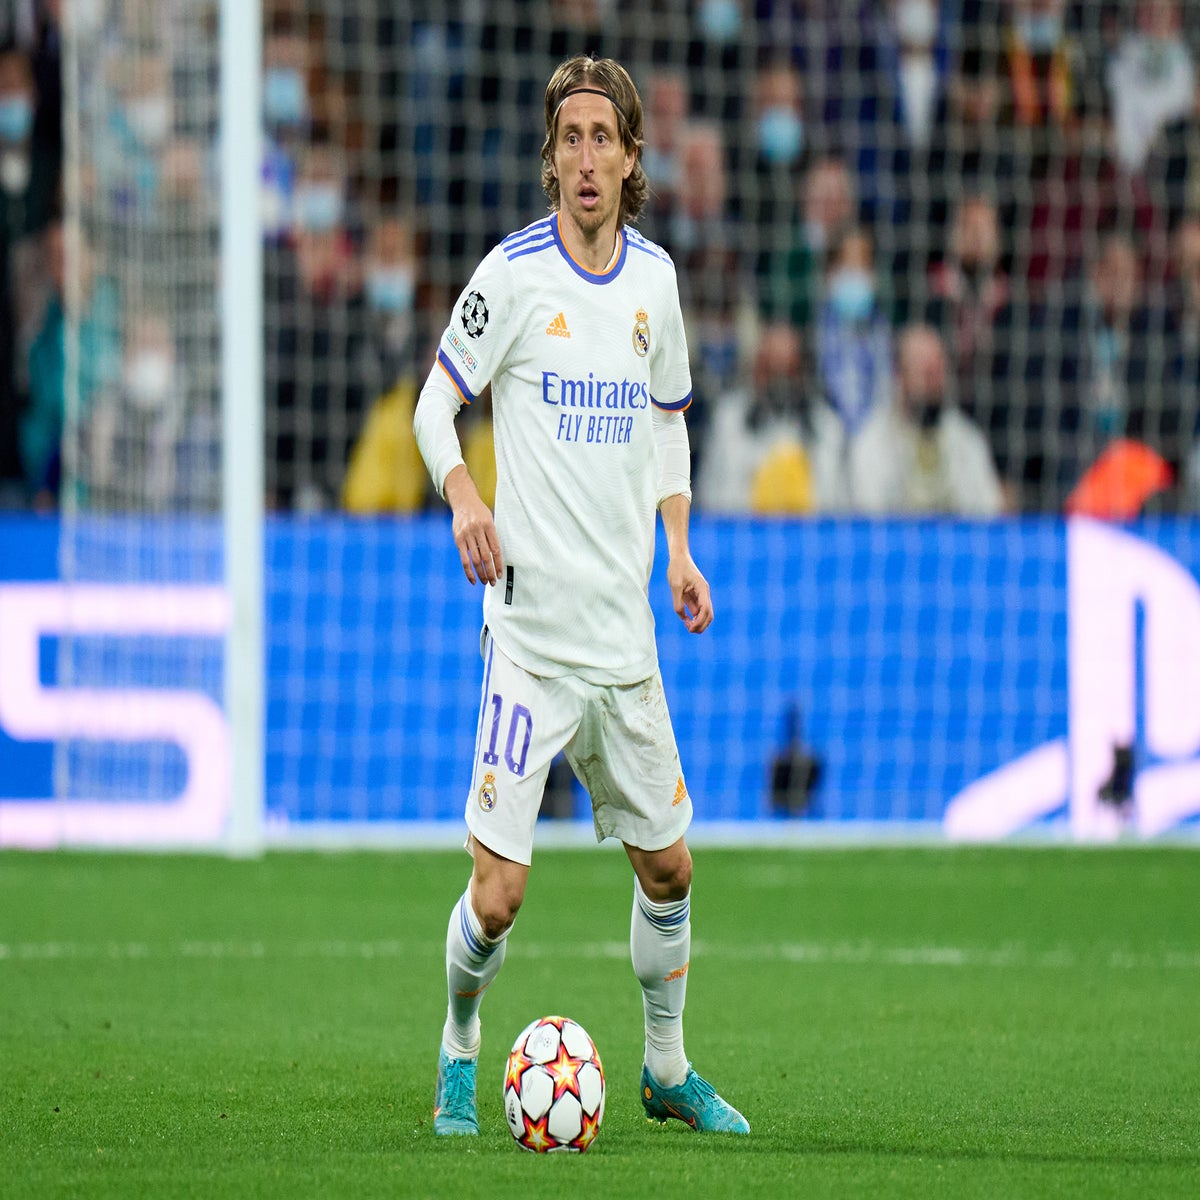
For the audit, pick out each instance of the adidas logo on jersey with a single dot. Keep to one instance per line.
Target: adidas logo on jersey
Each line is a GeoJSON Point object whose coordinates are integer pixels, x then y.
{"type": "Point", "coordinates": [558, 327]}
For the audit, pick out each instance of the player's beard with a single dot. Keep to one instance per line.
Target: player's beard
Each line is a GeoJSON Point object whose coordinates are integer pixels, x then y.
{"type": "Point", "coordinates": [591, 222]}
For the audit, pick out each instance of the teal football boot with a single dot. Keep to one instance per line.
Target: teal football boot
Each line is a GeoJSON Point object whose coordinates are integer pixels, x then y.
{"type": "Point", "coordinates": [694, 1102]}
{"type": "Point", "coordinates": [454, 1100]}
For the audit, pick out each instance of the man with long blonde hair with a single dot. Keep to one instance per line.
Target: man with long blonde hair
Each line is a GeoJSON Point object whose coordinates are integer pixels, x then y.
{"type": "Point", "coordinates": [575, 323]}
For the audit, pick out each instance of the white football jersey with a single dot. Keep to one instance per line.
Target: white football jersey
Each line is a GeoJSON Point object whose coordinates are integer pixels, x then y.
{"type": "Point", "coordinates": [576, 360]}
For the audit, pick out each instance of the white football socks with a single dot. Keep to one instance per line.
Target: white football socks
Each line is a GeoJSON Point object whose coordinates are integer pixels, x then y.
{"type": "Point", "coordinates": [660, 942]}
{"type": "Point", "coordinates": [472, 962]}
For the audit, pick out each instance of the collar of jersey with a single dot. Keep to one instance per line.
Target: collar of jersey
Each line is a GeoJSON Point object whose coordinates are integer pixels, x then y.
{"type": "Point", "coordinates": [605, 276]}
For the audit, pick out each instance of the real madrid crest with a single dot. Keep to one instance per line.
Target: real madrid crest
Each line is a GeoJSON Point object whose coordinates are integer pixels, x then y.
{"type": "Point", "coordinates": [641, 333]}
{"type": "Point", "coordinates": [487, 792]}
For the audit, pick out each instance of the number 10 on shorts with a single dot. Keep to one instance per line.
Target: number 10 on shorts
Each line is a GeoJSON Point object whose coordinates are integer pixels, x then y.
{"type": "Point", "coordinates": [520, 725]}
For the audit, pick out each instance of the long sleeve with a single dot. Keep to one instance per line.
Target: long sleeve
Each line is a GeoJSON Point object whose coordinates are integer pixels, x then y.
{"type": "Point", "coordinates": [674, 455]}
{"type": "Point", "coordinates": [433, 423]}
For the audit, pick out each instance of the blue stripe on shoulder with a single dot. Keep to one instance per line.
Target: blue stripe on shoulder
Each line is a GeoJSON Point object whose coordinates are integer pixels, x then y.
{"type": "Point", "coordinates": [639, 242]}
{"type": "Point", "coordinates": [528, 248]}
{"type": "Point", "coordinates": [526, 234]}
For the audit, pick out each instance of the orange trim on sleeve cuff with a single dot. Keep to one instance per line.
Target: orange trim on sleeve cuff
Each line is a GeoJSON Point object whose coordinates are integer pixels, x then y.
{"type": "Point", "coordinates": [679, 406]}
{"type": "Point", "coordinates": [446, 371]}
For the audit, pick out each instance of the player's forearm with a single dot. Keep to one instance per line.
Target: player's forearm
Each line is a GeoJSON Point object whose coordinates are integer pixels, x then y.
{"type": "Point", "coordinates": [459, 488]}
{"type": "Point", "coordinates": [676, 511]}
{"type": "Point", "coordinates": [433, 424]}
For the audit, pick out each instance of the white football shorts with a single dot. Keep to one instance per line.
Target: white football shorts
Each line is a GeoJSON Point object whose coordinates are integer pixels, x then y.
{"type": "Point", "coordinates": [617, 737]}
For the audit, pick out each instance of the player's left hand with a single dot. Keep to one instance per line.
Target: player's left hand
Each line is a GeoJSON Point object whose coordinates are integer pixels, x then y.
{"type": "Point", "coordinates": [690, 594]}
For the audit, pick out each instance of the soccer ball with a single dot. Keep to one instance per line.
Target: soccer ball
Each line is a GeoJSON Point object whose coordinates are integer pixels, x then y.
{"type": "Point", "coordinates": [554, 1087]}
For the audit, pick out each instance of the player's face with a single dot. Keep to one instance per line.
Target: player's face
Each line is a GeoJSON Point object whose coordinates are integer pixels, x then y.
{"type": "Point", "coordinates": [590, 163]}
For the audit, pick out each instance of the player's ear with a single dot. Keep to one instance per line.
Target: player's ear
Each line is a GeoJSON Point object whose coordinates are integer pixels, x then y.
{"type": "Point", "coordinates": [630, 160]}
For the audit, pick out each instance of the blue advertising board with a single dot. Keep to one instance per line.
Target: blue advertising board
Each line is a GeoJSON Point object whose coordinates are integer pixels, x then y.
{"type": "Point", "coordinates": [984, 676]}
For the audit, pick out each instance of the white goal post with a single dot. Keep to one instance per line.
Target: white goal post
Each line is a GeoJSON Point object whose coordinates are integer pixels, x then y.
{"type": "Point", "coordinates": [241, 298]}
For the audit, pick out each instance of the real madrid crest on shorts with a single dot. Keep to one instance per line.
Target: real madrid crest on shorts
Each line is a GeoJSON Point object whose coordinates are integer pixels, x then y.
{"type": "Point", "coordinates": [641, 334]}
{"type": "Point", "coordinates": [487, 792]}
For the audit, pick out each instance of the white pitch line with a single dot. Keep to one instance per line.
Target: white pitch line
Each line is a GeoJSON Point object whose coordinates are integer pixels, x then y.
{"type": "Point", "coordinates": [797, 953]}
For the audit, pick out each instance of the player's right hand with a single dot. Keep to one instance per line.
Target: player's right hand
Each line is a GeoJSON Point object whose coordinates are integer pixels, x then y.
{"type": "Point", "coordinates": [474, 529]}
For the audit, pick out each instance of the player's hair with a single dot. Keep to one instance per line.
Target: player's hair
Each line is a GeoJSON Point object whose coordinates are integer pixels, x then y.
{"type": "Point", "coordinates": [607, 76]}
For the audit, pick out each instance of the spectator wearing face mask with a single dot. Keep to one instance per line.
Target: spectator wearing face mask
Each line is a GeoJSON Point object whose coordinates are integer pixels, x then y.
{"type": "Point", "coordinates": [321, 366]}
{"type": "Point", "coordinates": [778, 135]}
{"type": "Point", "coordinates": [853, 335]}
{"type": "Point", "coordinates": [133, 431]}
{"type": "Point", "coordinates": [141, 128]}
{"type": "Point", "coordinates": [719, 21]}
{"type": "Point", "coordinates": [385, 472]}
{"type": "Point", "coordinates": [393, 280]}
{"type": "Point", "coordinates": [286, 113]}
{"type": "Point", "coordinates": [779, 115]}
{"type": "Point", "coordinates": [775, 447]}
{"type": "Point", "coordinates": [918, 453]}
{"type": "Point", "coordinates": [320, 203]}
{"type": "Point", "coordinates": [29, 174]}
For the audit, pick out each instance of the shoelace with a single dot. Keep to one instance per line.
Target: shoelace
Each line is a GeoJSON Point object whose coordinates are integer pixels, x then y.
{"type": "Point", "coordinates": [456, 1084]}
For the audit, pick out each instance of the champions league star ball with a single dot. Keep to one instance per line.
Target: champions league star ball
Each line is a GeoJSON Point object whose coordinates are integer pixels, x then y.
{"type": "Point", "coordinates": [554, 1087]}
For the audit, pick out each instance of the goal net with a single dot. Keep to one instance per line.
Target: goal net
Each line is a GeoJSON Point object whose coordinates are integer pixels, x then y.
{"type": "Point", "coordinates": [132, 636]}
{"type": "Point", "coordinates": [1020, 175]}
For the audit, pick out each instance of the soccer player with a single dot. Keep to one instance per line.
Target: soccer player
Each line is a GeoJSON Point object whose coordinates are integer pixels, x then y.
{"type": "Point", "coordinates": [575, 323]}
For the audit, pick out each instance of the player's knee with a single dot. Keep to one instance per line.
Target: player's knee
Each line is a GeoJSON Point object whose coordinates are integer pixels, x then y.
{"type": "Point", "coordinates": [496, 905]}
{"type": "Point", "coordinates": [668, 876]}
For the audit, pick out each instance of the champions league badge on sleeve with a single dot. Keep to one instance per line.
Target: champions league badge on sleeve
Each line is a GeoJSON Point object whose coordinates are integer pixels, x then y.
{"type": "Point", "coordinates": [474, 314]}
{"type": "Point", "coordinates": [487, 792]}
{"type": "Point", "coordinates": [641, 334]}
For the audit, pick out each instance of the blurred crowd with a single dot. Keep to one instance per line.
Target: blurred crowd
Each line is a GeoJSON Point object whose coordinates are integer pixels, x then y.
{"type": "Point", "coordinates": [936, 256]}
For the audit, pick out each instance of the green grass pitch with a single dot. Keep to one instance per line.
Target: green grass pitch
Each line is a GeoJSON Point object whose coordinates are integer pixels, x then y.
{"type": "Point", "coordinates": [895, 1022]}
